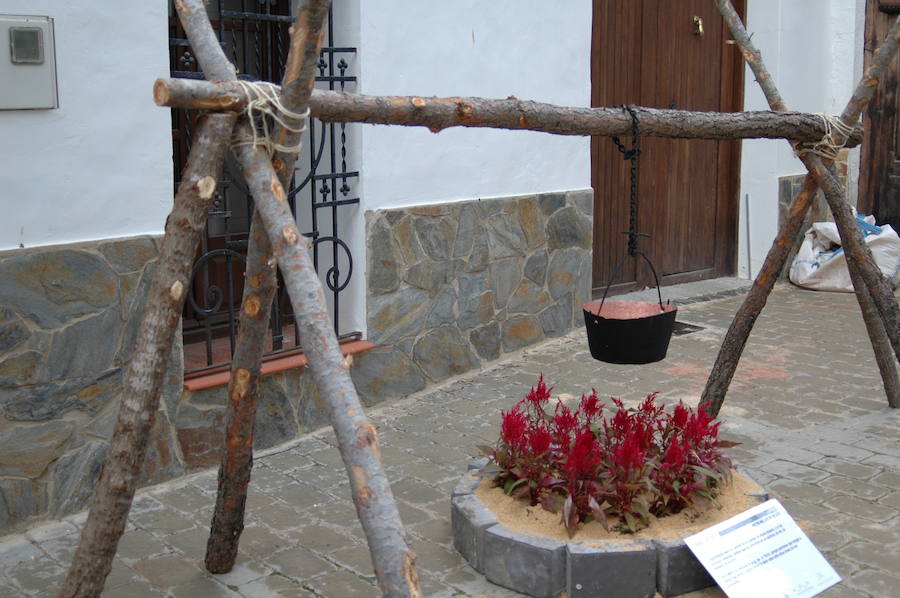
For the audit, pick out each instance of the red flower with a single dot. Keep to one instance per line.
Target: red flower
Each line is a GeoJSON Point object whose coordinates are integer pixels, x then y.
{"type": "Point", "coordinates": [564, 423]}
{"type": "Point", "coordinates": [674, 457]}
{"type": "Point", "coordinates": [584, 456]}
{"type": "Point", "coordinates": [591, 405]}
{"type": "Point", "coordinates": [539, 441]}
{"type": "Point", "coordinates": [539, 395]}
{"type": "Point", "coordinates": [629, 454]}
{"type": "Point", "coordinates": [513, 425]}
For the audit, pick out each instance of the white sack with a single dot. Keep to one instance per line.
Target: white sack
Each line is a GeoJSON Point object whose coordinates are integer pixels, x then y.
{"type": "Point", "coordinates": [821, 265]}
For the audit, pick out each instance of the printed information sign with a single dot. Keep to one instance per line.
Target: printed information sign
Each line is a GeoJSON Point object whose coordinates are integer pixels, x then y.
{"type": "Point", "coordinates": [762, 552]}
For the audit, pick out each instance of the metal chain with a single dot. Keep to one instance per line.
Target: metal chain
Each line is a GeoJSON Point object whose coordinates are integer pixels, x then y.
{"type": "Point", "coordinates": [632, 154]}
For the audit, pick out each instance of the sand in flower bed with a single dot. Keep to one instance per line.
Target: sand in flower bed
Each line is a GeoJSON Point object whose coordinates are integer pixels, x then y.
{"type": "Point", "coordinates": [519, 516]}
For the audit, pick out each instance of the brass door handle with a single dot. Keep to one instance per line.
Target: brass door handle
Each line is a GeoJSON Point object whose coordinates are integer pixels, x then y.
{"type": "Point", "coordinates": [698, 26]}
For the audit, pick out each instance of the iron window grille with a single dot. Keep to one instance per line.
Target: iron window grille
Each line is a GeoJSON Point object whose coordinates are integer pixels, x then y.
{"type": "Point", "coordinates": [254, 35]}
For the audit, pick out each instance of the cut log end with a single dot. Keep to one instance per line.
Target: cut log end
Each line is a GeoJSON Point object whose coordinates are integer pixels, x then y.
{"type": "Point", "coordinates": [160, 92]}
{"type": "Point", "coordinates": [277, 190]}
{"type": "Point", "coordinates": [241, 383]}
{"type": "Point", "coordinates": [206, 187]}
{"type": "Point", "coordinates": [251, 303]}
{"type": "Point", "coordinates": [290, 235]}
{"type": "Point", "coordinates": [182, 8]}
{"type": "Point", "coordinates": [176, 292]}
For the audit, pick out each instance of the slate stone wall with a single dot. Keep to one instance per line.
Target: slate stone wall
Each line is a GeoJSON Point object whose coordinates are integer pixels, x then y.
{"type": "Point", "coordinates": [68, 319]}
{"type": "Point", "coordinates": [67, 327]}
{"type": "Point", "coordinates": [454, 286]}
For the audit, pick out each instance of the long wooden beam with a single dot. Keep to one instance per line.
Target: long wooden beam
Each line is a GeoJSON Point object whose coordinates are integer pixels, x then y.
{"type": "Point", "coordinates": [739, 331]}
{"type": "Point", "coordinates": [441, 113]}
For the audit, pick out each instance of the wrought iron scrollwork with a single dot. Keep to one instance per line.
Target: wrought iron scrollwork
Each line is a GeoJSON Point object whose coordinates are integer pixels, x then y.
{"type": "Point", "coordinates": [333, 275]}
{"type": "Point", "coordinates": [212, 293]}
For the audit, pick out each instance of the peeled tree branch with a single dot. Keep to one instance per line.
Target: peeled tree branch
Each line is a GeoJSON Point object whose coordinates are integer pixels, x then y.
{"type": "Point", "coordinates": [441, 113]}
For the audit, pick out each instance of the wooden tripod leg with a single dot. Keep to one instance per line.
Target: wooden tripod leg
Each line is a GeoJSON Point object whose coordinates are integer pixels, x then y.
{"type": "Point", "coordinates": [259, 291]}
{"type": "Point", "coordinates": [736, 338]}
{"type": "Point", "coordinates": [357, 439]}
{"type": "Point", "coordinates": [243, 396]}
{"type": "Point", "coordinates": [141, 388]}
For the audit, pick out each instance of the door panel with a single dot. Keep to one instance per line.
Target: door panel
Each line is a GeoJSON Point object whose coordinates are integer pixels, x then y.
{"type": "Point", "coordinates": [647, 52]}
{"type": "Point", "coordinates": [879, 180]}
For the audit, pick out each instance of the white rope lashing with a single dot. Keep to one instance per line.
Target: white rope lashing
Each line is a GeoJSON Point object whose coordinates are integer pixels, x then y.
{"type": "Point", "coordinates": [828, 147]}
{"type": "Point", "coordinates": [263, 99]}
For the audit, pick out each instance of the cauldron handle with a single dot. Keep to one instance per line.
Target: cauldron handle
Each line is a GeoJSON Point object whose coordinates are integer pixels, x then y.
{"type": "Point", "coordinates": [619, 267]}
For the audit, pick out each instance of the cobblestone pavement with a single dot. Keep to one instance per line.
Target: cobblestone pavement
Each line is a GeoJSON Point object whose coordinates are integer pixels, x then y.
{"type": "Point", "coordinates": [806, 404]}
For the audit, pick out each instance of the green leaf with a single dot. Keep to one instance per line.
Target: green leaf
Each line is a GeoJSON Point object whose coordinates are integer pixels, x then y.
{"type": "Point", "coordinates": [552, 502]}
{"type": "Point", "coordinates": [642, 511]}
{"type": "Point", "coordinates": [631, 522]}
{"type": "Point", "coordinates": [706, 471]}
{"type": "Point", "coordinates": [511, 484]}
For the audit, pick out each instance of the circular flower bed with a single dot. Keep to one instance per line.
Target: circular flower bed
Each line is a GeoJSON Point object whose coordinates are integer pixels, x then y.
{"type": "Point", "coordinates": [619, 473]}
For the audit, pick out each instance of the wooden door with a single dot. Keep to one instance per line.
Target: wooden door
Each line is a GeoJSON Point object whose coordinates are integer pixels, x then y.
{"type": "Point", "coordinates": [879, 176]}
{"type": "Point", "coordinates": [665, 54]}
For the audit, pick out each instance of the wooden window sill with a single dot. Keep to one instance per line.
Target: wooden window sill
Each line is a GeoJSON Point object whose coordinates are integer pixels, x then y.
{"type": "Point", "coordinates": [275, 364]}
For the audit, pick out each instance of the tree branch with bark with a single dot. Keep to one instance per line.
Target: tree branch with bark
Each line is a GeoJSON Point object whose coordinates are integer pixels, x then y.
{"type": "Point", "coordinates": [438, 114]}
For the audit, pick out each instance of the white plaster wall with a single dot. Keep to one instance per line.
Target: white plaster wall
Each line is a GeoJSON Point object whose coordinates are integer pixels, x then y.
{"type": "Point", "coordinates": [526, 48]}
{"type": "Point", "coordinates": [813, 50]}
{"type": "Point", "coordinates": [100, 165]}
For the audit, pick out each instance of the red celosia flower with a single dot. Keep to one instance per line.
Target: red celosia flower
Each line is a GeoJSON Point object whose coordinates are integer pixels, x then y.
{"type": "Point", "coordinates": [674, 457]}
{"type": "Point", "coordinates": [513, 425]}
{"type": "Point", "coordinates": [679, 415]}
{"type": "Point", "coordinates": [591, 405]}
{"type": "Point", "coordinates": [629, 455]}
{"type": "Point", "coordinates": [539, 440]}
{"type": "Point", "coordinates": [625, 466]}
{"type": "Point", "coordinates": [583, 457]}
{"type": "Point", "coordinates": [539, 395]}
{"type": "Point", "coordinates": [564, 424]}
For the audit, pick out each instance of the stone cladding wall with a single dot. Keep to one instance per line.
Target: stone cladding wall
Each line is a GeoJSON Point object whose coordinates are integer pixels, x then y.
{"type": "Point", "coordinates": [68, 319]}
{"type": "Point", "coordinates": [453, 286]}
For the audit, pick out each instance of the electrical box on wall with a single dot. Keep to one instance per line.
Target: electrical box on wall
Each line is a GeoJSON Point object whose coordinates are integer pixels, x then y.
{"type": "Point", "coordinates": [27, 63]}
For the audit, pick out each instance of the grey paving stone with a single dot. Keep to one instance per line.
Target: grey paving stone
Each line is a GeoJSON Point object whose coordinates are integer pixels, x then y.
{"type": "Point", "coordinates": [876, 583]}
{"type": "Point", "coordinates": [795, 471]}
{"type": "Point", "coordinates": [853, 487]}
{"type": "Point", "coordinates": [846, 468]}
{"type": "Point", "coordinates": [861, 508]}
{"type": "Point", "coordinates": [344, 583]}
{"type": "Point", "coordinates": [299, 564]}
{"type": "Point", "coordinates": [274, 585]}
